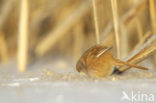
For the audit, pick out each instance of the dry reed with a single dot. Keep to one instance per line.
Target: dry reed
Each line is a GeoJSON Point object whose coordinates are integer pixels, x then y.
{"type": "Point", "coordinates": [116, 26]}
{"type": "Point", "coordinates": [54, 36]}
{"type": "Point", "coordinates": [23, 37]}
{"type": "Point", "coordinates": [96, 22]}
{"type": "Point", "coordinates": [68, 27]}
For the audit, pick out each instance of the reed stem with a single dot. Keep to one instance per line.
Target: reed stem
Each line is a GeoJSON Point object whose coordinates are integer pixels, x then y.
{"type": "Point", "coordinates": [23, 37]}
{"type": "Point", "coordinates": [116, 26]}
{"type": "Point", "coordinates": [96, 22]}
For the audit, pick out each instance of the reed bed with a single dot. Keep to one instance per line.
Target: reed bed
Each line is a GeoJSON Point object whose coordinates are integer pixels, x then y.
{"type": "Point", "coordinates": [35, 29]}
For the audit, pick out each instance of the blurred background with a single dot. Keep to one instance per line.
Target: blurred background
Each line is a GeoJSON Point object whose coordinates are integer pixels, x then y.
{"type": "Point", "coordinates": [36, 29]}
{"type": "Point", "coordinates": [40, 38]}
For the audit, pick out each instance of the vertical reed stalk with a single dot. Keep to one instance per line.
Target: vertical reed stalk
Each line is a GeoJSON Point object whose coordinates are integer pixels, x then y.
{"type": "Point", "coordinates": [116, 25]}
{"type": "Point", "coordinates": [96, 22]}
{"type": "Point", "coordinates": [23, 36]}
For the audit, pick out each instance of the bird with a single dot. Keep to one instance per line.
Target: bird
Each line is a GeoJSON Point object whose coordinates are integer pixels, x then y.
{"type": "Point", "coordinates": [98, 61]}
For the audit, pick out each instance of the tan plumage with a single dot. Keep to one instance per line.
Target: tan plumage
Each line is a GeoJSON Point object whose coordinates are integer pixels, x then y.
{"type": "Point", "coordinates": [98, 61]}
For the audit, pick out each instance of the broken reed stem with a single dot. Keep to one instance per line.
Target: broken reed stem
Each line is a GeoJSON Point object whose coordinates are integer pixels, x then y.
{"type": "Point", "coordinates": [55, 35]}
{"type": "Point", "coordinates": [116, 26]}
{"type": "Point", "coordinates": [145, 50]}
{"type": "Point", "coordinates": [152, 15]}
{"type": "Point", "coordinates": [96, 22]}
{"type": "Point", "coordinates": [141, 48]}
{"type": "Point", "coordinates": [23, 37]}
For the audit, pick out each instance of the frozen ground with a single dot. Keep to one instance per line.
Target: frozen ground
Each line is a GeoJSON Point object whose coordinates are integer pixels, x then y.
{"type": "Point", "coordinates": [51, 82]}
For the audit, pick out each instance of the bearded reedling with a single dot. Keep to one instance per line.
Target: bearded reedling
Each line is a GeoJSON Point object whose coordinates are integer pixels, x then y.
{"type": "Point", "coordinates": [98, 61]}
